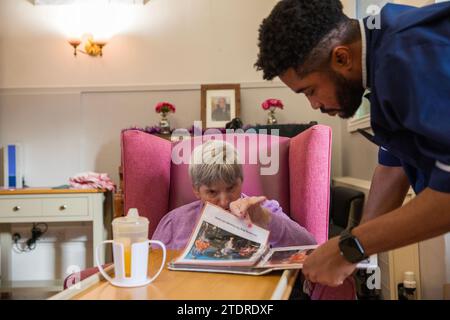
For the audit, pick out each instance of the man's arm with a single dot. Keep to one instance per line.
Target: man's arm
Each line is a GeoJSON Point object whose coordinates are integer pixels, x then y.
{"type": "Point", "coordinates": [424, 217]}
{"type": "Point", "coordinates": [387, 191]}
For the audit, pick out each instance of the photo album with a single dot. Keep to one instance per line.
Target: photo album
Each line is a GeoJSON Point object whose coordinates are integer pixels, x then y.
{"type": "Point", "coordinates": [224, 243]}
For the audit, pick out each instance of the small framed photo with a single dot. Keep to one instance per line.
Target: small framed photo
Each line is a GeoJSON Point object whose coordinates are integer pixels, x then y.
{"type": "Point", "coordinates": [220, 104]}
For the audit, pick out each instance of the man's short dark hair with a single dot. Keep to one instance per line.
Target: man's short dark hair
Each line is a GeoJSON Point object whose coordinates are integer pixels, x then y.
{"type": "Point", "coordinates": [294, 28]}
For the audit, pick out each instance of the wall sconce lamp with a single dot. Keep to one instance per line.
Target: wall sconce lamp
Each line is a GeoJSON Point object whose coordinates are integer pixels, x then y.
{"type": "Point", "coordinates": [74, 43]}
{"type": "Point", "coordinates": [92, 47]}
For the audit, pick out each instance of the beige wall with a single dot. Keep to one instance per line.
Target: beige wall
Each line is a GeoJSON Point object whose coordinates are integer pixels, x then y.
{"type": "Point", "coordinates": [64, 132]}
{"type": "Point", "coordinates": [165, 41]}
{"type": "Point", "coordinates": [68, 112]}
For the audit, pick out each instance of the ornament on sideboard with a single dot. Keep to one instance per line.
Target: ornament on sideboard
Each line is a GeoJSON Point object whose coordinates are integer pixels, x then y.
{"type": "Point", "coordinates": [234, 124]}
{"type": "Point", "coordinates": [164, 108]}
{"type": "Point", "coordinates": [272, 105]}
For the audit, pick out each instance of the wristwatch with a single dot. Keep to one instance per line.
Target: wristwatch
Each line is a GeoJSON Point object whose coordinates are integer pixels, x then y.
{"type": "Point", "coordinates": [351, 248]}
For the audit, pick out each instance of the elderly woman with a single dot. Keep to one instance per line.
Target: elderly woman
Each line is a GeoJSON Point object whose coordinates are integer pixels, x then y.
{"type": "Point", "coordinates": [217, 177]}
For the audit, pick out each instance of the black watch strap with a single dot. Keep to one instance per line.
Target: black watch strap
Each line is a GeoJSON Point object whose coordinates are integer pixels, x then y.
{"type": "Point", "coordinates": [350, 247]}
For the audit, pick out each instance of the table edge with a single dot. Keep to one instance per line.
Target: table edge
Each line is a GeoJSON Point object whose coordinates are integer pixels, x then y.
{"type": "Point", "coordinates": [82, 286]}
{"type": "Point", "coordinates": [282, 290]}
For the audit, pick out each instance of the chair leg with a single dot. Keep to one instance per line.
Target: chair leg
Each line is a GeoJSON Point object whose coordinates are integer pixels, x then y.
{"type": "Point", "coordinates": [118, 204]}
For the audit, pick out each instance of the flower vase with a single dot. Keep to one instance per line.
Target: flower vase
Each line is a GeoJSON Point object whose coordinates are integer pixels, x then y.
{"type": "Point", "coordinates": [271, 118]}
{"type": "Point", "coordinates": [164, 124]}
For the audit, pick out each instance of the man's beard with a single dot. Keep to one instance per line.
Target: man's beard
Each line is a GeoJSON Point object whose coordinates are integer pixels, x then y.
{"type": "Point", "coordinates": [349, 94]}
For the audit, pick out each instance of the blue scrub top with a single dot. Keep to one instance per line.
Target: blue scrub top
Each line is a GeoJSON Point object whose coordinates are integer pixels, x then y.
{"type": "Point", "coordinates": [408, 65]}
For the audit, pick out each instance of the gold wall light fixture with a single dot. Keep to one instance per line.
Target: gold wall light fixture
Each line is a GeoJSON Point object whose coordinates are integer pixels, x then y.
{"type": "Point", "coordinates": [93, 48]}
{"type": "Point", "coordinates": [74, 43]}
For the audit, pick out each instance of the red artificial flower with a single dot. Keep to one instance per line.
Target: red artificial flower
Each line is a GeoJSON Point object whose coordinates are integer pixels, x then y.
{"type": "Point", "coordinates": [165, 107]}
{"type": "Point", "coordinates": [272, 103]}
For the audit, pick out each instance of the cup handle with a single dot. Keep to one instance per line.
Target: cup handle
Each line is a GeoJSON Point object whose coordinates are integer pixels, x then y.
{"type": "Point", "coordinates": [97, 260]}
{"type": "Point", "coordinates": [163, 247]}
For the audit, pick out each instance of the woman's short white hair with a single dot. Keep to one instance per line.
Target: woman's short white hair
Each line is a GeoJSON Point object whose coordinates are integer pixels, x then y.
{"type": "Point", "coordinates": [214, 161]}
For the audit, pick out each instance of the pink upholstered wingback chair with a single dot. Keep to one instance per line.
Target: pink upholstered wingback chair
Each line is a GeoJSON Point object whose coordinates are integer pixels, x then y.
{"type": "Point", "coordinates": [154, 185]}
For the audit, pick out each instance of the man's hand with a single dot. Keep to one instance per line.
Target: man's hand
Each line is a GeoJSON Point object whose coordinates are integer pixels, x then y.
{"type": "Point", "coordinates": [251, 211]}
{"type": "Point", "coordinates": [327, 266]}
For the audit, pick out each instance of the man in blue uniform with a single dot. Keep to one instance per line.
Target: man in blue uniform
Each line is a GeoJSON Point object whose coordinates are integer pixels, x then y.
{"type": "Point", "coordinates": [403, 58]}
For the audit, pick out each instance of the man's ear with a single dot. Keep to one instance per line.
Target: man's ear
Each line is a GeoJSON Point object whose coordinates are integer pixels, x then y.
{"type": "Point", "coordinates": [341, 59]}
{"type": "Point", "coordinates": [196, 192]}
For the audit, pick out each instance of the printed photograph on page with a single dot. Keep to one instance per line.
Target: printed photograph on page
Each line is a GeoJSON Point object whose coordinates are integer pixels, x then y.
{"type": "Point", "coordinates": [223, 239]}
{"type": "Point", "coordinates": [287, 257]}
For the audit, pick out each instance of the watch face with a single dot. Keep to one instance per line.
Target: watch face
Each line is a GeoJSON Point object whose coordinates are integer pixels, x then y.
{"type": "Point", "coordinates": [352, 250]}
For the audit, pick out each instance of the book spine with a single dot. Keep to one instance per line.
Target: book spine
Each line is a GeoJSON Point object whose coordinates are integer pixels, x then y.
{"type": "Point", "coordinates": [264, 254]}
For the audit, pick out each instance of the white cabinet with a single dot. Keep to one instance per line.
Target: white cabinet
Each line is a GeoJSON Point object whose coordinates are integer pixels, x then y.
{"type": "Point", "coordinates": [49, 205]}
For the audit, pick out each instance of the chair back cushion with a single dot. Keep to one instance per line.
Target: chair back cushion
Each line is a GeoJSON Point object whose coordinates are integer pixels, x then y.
{"type": "Point", "coordinates": [259, 153]}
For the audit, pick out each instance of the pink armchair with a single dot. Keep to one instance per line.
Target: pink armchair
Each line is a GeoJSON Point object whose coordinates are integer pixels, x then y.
{"type": "Point", "coordinates": [154, 185]}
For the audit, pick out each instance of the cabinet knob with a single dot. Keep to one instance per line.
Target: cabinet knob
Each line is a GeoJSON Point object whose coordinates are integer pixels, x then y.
{"type": "Point", "coordinates": [16, 208]}
{"type": "Point", "coordinates": [63, 207]}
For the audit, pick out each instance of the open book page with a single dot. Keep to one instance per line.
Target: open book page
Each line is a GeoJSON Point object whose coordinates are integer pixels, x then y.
{"type": "Point", "coordinates": [222, 239]}
{"type": "Point", "coordinates": [293, 258]}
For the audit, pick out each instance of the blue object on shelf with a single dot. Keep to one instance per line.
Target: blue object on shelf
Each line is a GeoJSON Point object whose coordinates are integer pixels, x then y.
{"type": "Point", "coordinates": [12, 182]}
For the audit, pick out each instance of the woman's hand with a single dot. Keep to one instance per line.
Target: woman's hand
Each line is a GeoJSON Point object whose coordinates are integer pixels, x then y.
{"type": "Point", "coordinates": [251, 211]}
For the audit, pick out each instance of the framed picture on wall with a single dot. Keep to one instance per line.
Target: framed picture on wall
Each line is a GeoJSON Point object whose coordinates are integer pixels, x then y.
{"type": "Point", "coordinates": [220, 104]}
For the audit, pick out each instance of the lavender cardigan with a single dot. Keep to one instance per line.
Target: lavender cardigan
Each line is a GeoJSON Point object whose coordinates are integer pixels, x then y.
{"type": "Point", "coordinates": [176, 227]}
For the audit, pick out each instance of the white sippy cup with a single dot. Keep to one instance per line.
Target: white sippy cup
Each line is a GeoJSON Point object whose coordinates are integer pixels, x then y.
{"type": "Point", "coordinates": [130, 251]}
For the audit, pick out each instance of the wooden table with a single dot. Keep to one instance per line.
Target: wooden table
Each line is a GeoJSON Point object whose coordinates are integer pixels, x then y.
{"type": "Point", "coordinates": [182, 285]}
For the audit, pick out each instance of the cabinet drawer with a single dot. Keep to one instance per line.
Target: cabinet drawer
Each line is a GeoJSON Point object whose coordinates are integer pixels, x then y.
{"type": "Point", "coordinates": [20, 207]}
{"type": "Point", "coordinates": [65, 207]}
